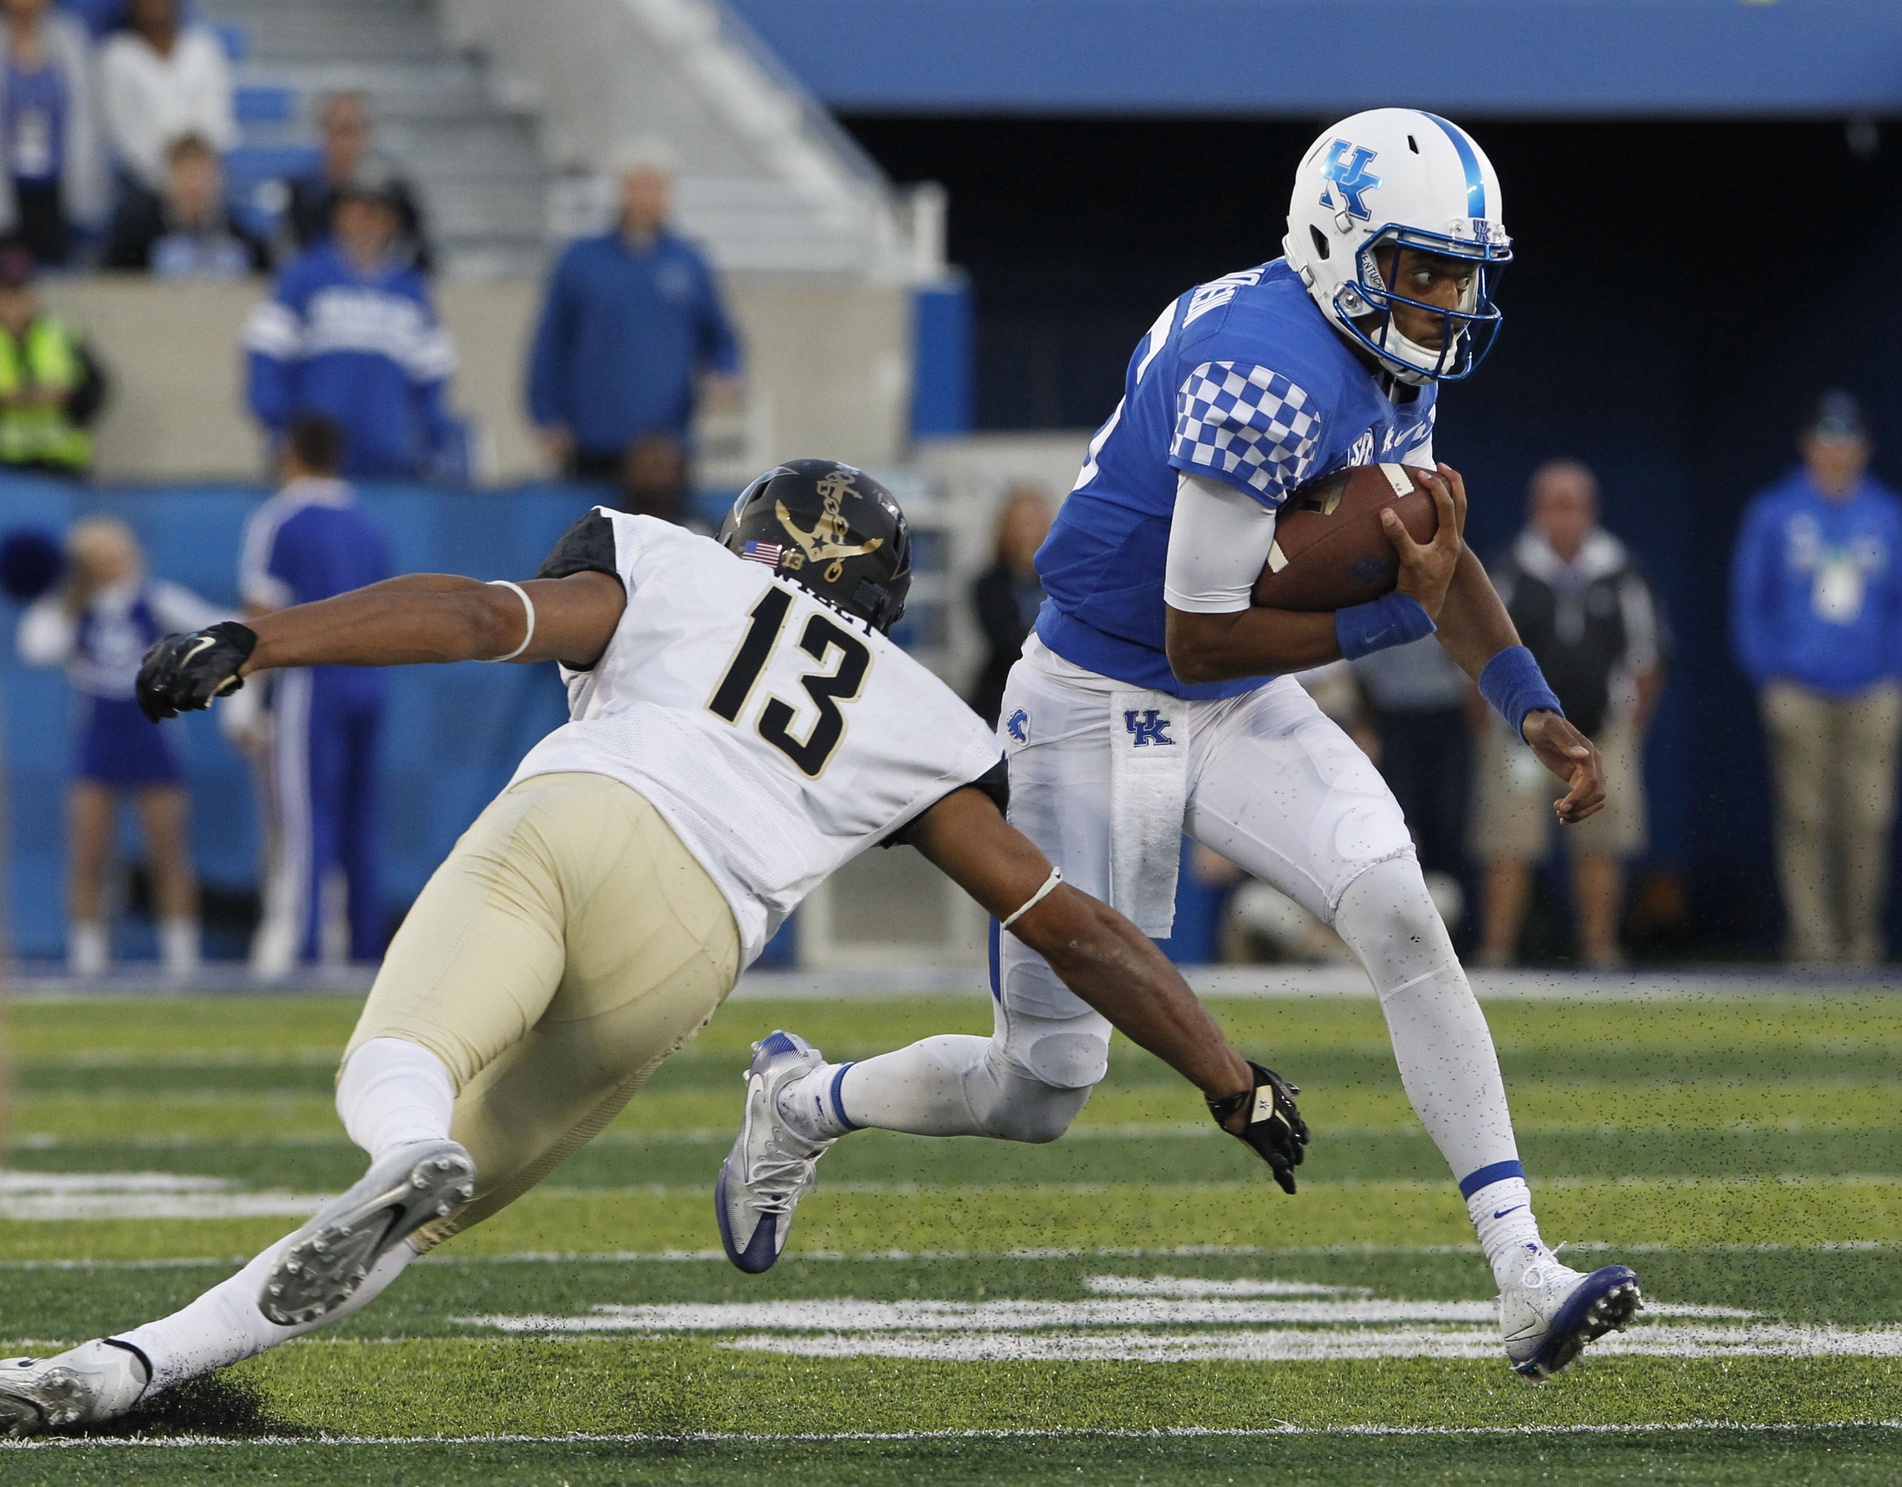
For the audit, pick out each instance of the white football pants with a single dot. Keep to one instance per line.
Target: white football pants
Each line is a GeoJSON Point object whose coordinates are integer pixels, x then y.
{"type": "Point", "coordinates": [1276, 788]}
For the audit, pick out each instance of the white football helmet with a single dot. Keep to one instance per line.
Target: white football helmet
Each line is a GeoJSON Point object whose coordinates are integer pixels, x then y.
{"type": "Point", "coordinates": [1398, 177]}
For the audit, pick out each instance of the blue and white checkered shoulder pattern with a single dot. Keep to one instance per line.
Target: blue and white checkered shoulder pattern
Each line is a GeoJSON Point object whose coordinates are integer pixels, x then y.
{"type": "Point", "coordinates": [1248, 422]}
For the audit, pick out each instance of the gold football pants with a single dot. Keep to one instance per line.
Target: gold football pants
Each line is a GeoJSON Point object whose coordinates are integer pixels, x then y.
{"type": "Point", "coordinates": [567, 945]}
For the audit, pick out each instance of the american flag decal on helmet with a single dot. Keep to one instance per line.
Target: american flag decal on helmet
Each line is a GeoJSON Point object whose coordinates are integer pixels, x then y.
{"type": "Point", "coordinates": [762, 552]}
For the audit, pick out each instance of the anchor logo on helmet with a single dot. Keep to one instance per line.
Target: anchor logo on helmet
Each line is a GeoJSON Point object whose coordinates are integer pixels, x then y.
{"type": "Point", "coordinates": [825, 542]}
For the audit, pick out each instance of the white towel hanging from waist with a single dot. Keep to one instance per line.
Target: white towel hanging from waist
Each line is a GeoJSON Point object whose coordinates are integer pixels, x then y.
{"type": "Point", "coordinates": [1149, 786]}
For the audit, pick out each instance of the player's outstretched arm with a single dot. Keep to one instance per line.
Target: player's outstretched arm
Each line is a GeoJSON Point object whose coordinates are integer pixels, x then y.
{"type": "Point", "coordinates": [419, 618]}
{"type": "Point", "coordinates": [1114, 967]}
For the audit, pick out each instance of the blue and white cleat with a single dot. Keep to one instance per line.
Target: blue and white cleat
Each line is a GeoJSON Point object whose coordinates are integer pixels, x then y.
{"type": "Point", "coordinates": [87, 1385]}
{"type": "Point", "coordinates": [1552, 1311]}
{"type": "Point", "coordinates": [329, 1257]}
{"type": "Point", "coordinates": [770, 1167]}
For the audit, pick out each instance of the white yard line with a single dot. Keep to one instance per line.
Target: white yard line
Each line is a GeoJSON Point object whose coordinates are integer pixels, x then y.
{"type": "Point", "coordinates": [53, 1196]}
{"type": "Point", "coordinates": [844, 1315]}
{"type": "Point", "coordinates": [1145, 1319]}
{"type": "Point", "coordinates": [1675, 1427]}
{"type": "Point", "coordinates": [1292, 1344]}
{"type": "Point", "coordinates": [55, 1184]}
{"type": "Point", "coordinates": [895, 1256]}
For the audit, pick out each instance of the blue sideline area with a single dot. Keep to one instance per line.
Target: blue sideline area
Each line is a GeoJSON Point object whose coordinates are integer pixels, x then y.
{"type": "Point", "coordinates": [453, 736]}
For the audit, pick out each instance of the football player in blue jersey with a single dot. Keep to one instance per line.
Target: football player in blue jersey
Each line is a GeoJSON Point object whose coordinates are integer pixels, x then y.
{"type": "Point", "coordinates": [1154, 699]}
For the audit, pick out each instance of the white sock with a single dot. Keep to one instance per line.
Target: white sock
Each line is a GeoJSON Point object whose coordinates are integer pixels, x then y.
{"type": "Point", "coordinates": [1502, 1216]}
{"type": "Point", "coordinates": [178, 946]}
{"type": "Point", "coordinates": [951, 1085]}
{"type": "Point", "coordinates": [88, 948]}
{"type": "Point", "coordinates": [1448, 1065]}
{"type": "Point", "coordinates": [810, 1104]}
{"type": "Point", "coordinates": [922, 1090]}
{"type": "Point", "coordinates": [224, 1326]}
{"type": "Point", "coordinates": [1440, 1038]}
{"type": "Point", "coordinates": [392, 1091]}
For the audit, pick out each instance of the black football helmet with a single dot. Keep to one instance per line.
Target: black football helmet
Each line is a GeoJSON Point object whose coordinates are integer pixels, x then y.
{"type": "Point", "coordinates": [831, 529]}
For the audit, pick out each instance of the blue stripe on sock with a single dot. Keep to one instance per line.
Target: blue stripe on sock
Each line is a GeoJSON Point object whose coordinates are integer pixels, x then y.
{"type": "Point", "coordinates": [1472, 1182]}
{"type": "Point", "coordinates": [838, 1105]}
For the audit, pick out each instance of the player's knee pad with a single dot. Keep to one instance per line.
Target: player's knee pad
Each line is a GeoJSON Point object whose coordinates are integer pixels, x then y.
{"type": "Point", "coordinates": [1015, 1106]}
{"type": "Point", "coordinates": [1037, 1073]}
{"type": "Point", "coordinates": [1067, 1052]}
{"type": "Point", "coordinates": [1388, 920]}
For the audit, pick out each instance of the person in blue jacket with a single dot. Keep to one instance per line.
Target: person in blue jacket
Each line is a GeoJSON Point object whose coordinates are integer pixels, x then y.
{"type": "Point", "coordinates": [349, 333]}
{"type": "Point", "coordinates": [1816, 620]}
{"type": "Point", "coordinates": [631, 322]}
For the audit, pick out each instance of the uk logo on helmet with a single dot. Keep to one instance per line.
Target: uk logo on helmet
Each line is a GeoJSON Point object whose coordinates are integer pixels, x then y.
{"type": "Point", "coordinates": [1346, 170]}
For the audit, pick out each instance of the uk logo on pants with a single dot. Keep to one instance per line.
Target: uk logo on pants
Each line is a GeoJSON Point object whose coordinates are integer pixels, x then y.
{"type": "Point", "coordinates": [1147, 726]}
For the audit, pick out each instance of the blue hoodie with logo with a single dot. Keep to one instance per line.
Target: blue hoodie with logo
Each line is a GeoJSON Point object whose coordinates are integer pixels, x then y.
{"type": "Point", "coordinates": [1816, 587]}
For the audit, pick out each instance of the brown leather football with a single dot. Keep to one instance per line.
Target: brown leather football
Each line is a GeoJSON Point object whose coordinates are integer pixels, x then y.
{"type": "Point", "coordinates": [1330, 551]}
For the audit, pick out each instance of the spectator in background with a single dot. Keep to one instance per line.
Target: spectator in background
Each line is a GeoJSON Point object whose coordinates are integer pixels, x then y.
{"type": "Point", "coordinates": [1816, 620]}
{"type": "Point", "coordinates": [311, 542]}
{"type": "Point", "coordinates": [186, 234]}
{"type": "Point", "coordinates": [1587, 615]}
{"type": "Point", "coordinates": [349, 332]}
{"type": "Point", "coordinates": [345, 131]}
{"type": "Point", "coordinates": [99, 17]}
{"type": "Point", "coordinates": [99, 626]}
{"type": "Point", "coordinates": [631, 321]}
{"type": "Point", "coordinates": [159, 81]}
{"type": "Point", "coordinates": [653, 482]}
{"type": "Point", "coordinates": [55, 174]}
{"type": "Point", "coordinates": [51, 388]}
{"type": "Point", "coordinates": [1007, 595]}
{"type": "Point", "coordinates": [1425, 753]}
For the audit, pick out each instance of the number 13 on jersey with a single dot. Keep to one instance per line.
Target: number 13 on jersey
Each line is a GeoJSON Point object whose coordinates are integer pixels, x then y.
{"type": "Point", "coordinates": [828, 689]}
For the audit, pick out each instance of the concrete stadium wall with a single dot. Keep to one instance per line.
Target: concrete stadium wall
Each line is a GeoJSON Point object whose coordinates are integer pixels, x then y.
{"type": "Point", "coordinates": [829, 364]}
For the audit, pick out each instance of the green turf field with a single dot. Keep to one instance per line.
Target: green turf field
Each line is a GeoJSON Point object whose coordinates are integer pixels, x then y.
{"type": "Point", "coordinates": [1134, 1303]}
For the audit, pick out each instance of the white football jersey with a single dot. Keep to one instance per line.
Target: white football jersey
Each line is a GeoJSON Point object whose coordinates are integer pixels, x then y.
{"type": "Point", "coordinates": [777, 736]}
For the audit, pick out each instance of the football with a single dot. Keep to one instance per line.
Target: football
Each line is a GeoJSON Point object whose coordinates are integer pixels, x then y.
{"type": "Point", "coordinates": [1330, 551]}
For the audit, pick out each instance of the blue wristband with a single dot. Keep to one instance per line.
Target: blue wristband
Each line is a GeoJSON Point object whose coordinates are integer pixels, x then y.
{"type": "Point", "coordinates": [1514, 685]}
{"type": "Point", "coordinates": [1392, 619]}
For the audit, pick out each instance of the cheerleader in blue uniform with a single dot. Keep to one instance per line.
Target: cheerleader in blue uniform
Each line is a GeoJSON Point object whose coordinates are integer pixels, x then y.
{"type": "Point", "coordinates": [98, 625]}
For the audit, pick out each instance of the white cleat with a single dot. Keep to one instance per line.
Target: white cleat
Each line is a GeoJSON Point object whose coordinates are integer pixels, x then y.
{"type": "Point", "coordinates": [89, 1384]}
{"type": "Point", "coordinates": [770, 1167]}
{"type": "Point", "coordinates": [329, 1257]}
{"type": "Point", "coordinates": [1552, 1311]}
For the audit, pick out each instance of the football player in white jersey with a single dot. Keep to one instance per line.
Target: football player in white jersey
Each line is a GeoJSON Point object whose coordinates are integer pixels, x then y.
{"type": "Point", "coordinates": [740, 726]}
{"type": "Point", "coordinates": [1154, 698]}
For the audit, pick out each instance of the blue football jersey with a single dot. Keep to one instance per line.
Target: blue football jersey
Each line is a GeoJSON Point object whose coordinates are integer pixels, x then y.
{"type": "Point", "coordinates": [1243, 380]}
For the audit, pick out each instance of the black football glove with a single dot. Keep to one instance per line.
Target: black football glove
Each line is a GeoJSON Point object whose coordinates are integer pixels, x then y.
{"type": "Point", "coordinates": [182, 673]}
{"type": "Point", "coordinates": [1275, 1128]}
